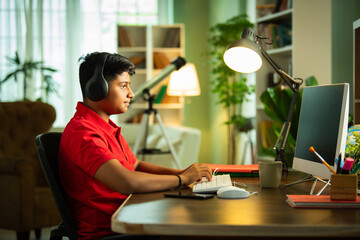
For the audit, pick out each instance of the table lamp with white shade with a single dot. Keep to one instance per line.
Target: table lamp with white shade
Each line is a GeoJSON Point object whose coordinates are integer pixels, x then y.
{"type": "Point", "coordinates": [184, 82]}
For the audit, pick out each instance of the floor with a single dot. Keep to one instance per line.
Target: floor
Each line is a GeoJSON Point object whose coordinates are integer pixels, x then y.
{"type": "Point", "coordinates": [11, 235]}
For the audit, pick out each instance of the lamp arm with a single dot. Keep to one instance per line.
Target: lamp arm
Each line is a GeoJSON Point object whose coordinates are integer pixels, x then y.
{"type": "Point", "coordinates": [294, 85]}
{"type": "Point", "coordinates": [285, 131]}
{"type": "Point", "coordinates": [290, 81]}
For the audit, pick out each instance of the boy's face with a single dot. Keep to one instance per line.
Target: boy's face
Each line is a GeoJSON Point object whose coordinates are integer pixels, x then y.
{"type": "Point", "coordinates": [119, 96]}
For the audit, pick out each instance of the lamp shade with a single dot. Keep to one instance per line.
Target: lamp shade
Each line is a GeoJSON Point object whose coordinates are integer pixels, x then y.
{"type": "Point", "coordinates": [184, 82]}
{"type": "Point", "coordinates": [243, 56]}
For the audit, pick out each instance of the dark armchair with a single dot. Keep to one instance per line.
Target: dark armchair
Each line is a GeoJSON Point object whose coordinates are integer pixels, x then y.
{"type": "Point", "coordinates": [26, 202]}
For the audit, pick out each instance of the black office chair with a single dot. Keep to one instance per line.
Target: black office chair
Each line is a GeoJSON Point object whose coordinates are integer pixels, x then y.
{"type": "Point", "coordinates": [47, 145]}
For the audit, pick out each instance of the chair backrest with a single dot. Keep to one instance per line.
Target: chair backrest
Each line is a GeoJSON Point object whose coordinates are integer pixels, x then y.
{"type": "Point", "coordinates": [47, 145]}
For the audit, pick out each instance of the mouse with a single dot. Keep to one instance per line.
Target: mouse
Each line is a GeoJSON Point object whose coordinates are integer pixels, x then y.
{"type": "Point", "coordinates": [232, 192]}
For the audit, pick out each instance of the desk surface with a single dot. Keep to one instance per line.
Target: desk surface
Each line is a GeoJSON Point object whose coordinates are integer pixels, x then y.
{"type": "Point", "coordinates": [263, 214]}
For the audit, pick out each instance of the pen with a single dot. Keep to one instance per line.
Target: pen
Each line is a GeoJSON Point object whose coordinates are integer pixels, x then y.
{"type": "Point", "coordinates": [338, 165]}
{"type": "Point", "coordinates": [321, 159]}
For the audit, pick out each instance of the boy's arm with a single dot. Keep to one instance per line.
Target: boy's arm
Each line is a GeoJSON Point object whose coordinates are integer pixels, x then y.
{"type": "Point", "coordinates": [117, 177]}
{"type": "Point", "coordinates": [147, 167]}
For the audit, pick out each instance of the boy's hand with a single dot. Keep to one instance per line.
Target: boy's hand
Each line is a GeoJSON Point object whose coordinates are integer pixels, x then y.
{"type": "Point", "coordinates": [195, 172]}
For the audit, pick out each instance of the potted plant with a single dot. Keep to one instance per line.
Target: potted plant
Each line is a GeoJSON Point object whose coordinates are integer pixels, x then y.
{"type": "Point", "coordinates": [231, 87]}
{"type": "Point", "coordinates": [25, 69]}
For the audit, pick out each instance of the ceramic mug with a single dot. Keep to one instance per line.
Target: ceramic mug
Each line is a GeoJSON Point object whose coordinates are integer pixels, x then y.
{"type": "Point", "coordinates": [270, 174]}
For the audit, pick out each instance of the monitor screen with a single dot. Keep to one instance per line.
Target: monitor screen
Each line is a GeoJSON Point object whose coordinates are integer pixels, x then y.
{"type": "Point", "coordinates": [323, 125]}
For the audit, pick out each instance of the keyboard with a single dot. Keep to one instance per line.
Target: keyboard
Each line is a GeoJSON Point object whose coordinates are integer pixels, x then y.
{"type": "Point", "coordinates": [212, 186]}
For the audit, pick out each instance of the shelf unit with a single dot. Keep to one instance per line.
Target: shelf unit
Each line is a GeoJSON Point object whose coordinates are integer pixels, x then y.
{"type": "Point", "coordinates": [152, 48]}
{"type": "Point", "coordinates": [282, 55]}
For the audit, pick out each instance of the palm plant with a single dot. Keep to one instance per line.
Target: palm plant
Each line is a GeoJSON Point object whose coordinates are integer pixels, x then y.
{"type": "Point", "coordinates": [276, 101]}
{"type": "Point", "coordinates": [26, 70]}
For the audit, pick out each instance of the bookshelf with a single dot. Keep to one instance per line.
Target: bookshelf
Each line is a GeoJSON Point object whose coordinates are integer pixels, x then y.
{"type": "Point", "coordinates": [310, 52]}
{"type": "Point", "coordinates": [274, 20]}
{"type": "Point", "coordinates": [151, 48]}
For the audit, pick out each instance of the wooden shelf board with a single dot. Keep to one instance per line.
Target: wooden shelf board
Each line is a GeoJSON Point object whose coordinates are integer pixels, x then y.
{"type": "Point", "coordinates": [131, 49]}
{"type": "Point", "coordinates": [276, 16]}
{"type": "Point", "coordinates": [282, 50]}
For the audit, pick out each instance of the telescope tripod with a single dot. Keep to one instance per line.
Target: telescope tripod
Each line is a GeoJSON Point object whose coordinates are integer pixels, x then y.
{"type": "Point", "coordinates": [143, 133]}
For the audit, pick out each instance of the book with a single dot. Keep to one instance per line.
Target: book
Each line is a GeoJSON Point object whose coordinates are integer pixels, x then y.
{"type": "Point", "coordinates": [161, 94]}
{"type": "Point", "coordinates": [136, 60]}
{"type": "Point", "coordinates": [125, 38]}
{"type": "Point", "coordinates": [160, 60]}
{"type": "Point", "coordinates": [251, 170]}
{"type": "Point", "coordinates": [322, 201]}
{"type": "Point", "coordinates": [172, 38]}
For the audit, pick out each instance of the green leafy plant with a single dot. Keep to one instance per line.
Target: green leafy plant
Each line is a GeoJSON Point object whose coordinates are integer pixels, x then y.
{"type": "Point", "coordinates": [276, 102]}
{"type": "Point", "coordinates": [25, 69]}
{"type": "Point", "coordinates": [231, 87]}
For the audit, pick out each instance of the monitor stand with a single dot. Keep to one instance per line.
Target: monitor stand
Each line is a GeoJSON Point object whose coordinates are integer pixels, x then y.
{"type": "Point", "coordinates": [312, 178]}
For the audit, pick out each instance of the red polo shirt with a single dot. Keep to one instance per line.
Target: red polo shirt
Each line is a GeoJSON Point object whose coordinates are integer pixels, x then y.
{"type": "Point", "coordinates": [87, 142]}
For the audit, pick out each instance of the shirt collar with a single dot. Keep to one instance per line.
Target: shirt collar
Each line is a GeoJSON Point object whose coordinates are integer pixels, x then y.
{"type": "Point", "coordinates": [90, 115]}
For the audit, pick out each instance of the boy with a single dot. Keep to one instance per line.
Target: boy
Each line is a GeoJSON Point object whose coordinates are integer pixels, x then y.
{"type": "Point", "coordinates": [97, 168]}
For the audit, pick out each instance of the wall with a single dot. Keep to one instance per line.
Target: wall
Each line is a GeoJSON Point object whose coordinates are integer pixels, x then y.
{"type": "Point", "coordinates": [203, 112]}
{"type": "Point", "coordinates": [323, 25]}
{"type": "Point", "coordinates": [323, 40]}
{"type": "Point", "coordinates": [312, 40]}
{"type": "Point", "coordinates": [343, 16]}
{"type": "Point", "coordinates": [194, 15]}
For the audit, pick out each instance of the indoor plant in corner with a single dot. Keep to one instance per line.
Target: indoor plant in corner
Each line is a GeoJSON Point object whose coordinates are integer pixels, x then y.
{"type": "Point", "coordinates": [25, 69]}
{"type": "Point", "coordinates": [231, 87]}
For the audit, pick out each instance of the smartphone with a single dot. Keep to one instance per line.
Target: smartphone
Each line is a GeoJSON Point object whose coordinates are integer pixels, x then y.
{"type": "Point", "coordinates": [189, 195]}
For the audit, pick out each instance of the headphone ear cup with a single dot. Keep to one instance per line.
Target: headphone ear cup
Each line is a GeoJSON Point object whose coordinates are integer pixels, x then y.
{"type": "Point", "coordinates": [97, 88]}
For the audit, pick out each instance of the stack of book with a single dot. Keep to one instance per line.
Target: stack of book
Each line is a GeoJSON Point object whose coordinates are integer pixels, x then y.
{"type": "Point", "coordinates": [172, 39]}
{"type": "Point", "coordinates": [251, 170]}
{"type": "Point", "coordinates": [322, 201]}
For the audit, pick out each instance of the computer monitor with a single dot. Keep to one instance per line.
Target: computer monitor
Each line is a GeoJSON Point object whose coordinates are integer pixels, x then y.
{"type": "Point", "coordinates": [323, 124]}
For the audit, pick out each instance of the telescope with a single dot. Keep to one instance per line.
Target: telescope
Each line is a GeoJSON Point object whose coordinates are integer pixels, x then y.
{"type": "Point", "coordinates": [143, 91]}
{"type": "Point", "coordinates": [147, 85]}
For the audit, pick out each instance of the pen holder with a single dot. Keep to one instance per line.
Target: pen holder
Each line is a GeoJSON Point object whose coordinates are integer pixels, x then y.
{"type": "Point", "coordinates": [344, 186]}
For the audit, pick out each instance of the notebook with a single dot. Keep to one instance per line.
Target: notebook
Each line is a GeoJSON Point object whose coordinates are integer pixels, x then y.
{"type": "Point", "coordinates": [251, 170]}
{"type": "Point", "coordinates": [322, 201]}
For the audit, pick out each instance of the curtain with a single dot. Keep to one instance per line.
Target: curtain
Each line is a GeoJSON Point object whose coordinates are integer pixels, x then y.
{"type": "Point", "coordinates": [58, 32]}
{"type": "Point", "coordinates": [33, 29]}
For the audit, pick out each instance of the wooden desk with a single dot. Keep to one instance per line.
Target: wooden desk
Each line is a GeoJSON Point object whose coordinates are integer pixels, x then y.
{"type": "Point", "coordinates": [265, 214]}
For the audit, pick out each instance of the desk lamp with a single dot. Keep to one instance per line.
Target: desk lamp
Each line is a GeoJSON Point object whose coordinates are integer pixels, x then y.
{"type": "Point", "coordinates": [244, 55]}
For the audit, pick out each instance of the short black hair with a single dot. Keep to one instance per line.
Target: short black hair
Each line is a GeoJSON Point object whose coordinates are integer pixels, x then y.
{"type": "Point", "coordinates": [115, 64]}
